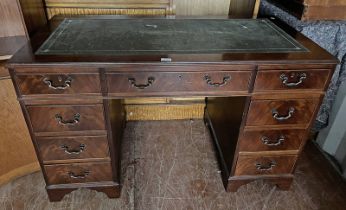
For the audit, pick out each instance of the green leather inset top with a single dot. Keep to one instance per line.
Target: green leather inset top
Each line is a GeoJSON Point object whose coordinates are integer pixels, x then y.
{"type": "Point", "coordinates": [107, 36]}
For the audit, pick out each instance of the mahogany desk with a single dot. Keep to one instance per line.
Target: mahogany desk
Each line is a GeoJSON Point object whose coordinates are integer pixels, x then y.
{"type": "Point", "coordinates": [262, 86]}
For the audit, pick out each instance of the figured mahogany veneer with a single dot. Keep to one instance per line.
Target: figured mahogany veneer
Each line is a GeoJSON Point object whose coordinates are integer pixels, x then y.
{"type": "Point", "coordinates": [264, 165]}
{"type": "Point", "coordinates": [48, 118]}
{"type": "Point", "coordinates": [259, 108]}
{"type": "Point", "coordinates": [270, 140]}
{"type": "Point", "coordinates": [81, 148]}
{"type": "Point", "coordinates": [78, 173]}
{"type": "Point", "coordinates": [59, 84]}
{"type": "Point", "coordinates": [299, 112]}
{"type": "Point", "coordinates": [280, 80]}
{"type": "Point", "coordinates": [153, 83]}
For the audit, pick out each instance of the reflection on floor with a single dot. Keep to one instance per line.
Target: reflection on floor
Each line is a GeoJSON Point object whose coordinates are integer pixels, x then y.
{"type": "Point", "coordinates": [171, 165]}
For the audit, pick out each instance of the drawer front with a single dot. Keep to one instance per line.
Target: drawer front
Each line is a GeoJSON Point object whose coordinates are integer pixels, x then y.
{"type": "Point", "coordinates": [78, 173]}
{"type": "Point", "coordinates": [59, 84]}
{"type": "Point", "coordinates": [271, 140]}
{"type": "Point", "coordinates": [194, 82]}
{"type": "Point", "coordinates": [281, 112]}
{"type": "Point", "coordinates": [66, 118]}
{"type": "Point", "coordinates": [264, 165]}
{"type": "Point", "coordinates": [67, 148]}
{"type": "Point", "coordinates": [291, 80]}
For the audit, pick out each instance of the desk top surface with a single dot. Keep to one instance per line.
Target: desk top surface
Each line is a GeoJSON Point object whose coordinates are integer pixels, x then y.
{"type": "Point", "coordinates": [115, 40]}
{"type": "Point", "coordinates": [156, 36]}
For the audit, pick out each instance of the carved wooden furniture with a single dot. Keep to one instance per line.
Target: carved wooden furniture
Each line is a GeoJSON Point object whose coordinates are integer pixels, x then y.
{"type": "Point", "coordinates": [262, 93]}
{"type": "Point", "coordinates": [315, 9]}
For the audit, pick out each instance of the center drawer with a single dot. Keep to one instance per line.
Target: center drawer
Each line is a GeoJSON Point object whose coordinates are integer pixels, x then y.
{"type": "Point", "coordinates": [73, 148]}
{"type": "Point", "coordinates": [78, 173]}
{"type": "Point", "coordinates": [54, 118]}
{"type": "Point", "coordinates": [156, 83]}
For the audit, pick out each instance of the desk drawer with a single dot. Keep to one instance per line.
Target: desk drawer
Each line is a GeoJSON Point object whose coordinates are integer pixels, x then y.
{"type": "Point", "coordinates": [271, 140]}
{"type": "Point", "coordinates": [167, 83]}
{"type": "Point", "coordinates": [265, 165]}
{"type": "Point", "coordinates": [281, 112]}
{"type": "Point", "coordinates": [73, 148]}
{"type": "Point", "coordinates": [66, 118]}
{"type": "Point", "coordinates": [291, 80]}
{"type": "Point", "coordinates": [59, 84]}
{"type": "Point", "coordinates": [78, 173]}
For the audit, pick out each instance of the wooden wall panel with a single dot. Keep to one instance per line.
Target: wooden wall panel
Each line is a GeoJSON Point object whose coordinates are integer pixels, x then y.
{"type": "Point", "coordinates": [202, 7]}
{"type": "Point", "coordinates": [11, 19]}
{"type": "Point", "coordinates": [242, 8]}
{"type": "Point", "coordinates": [34, 14]}
{"type": "Point", "coordinates": [17, 156]}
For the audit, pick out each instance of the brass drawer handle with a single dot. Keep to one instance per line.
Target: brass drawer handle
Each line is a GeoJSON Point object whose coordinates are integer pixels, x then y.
{"type": "Point", "coordinates": [300, 77]}
{"type": "Point", "coordinates": [224, 82]}
{"type": "Point", "coordinates": [267, 167]}
{"type": "Point", "coordinates": [69, 151]}
{"type": "Point", "coordinates": [132, 81]}
{"type": "Point", "coordinates": [74, 121]}
{"type": "Point", "coordinates": [277, 116]}
{"type": "Point", "coordinates": [270, 143]}
{"type": "Point", "coordinates": [66, 83]}
{"type": "Point", "coordinates": [82, 176]}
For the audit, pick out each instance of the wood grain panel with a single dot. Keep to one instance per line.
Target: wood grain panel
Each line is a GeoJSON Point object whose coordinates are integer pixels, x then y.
{"type": "Point", "coordinates": [325, 13]}
{"type": "Point", "coordinates": [291, 80]}
{"type": "Point", "coordinates": [202, 7]}
{"type": "Point", "coordinates": [78, 173]}
{"type": "Point", "coordinates": [324, 2]}
{"type": "Point", "coordinates": [34, 14]}
{"type": "Point", "coordinates": [44, 118]}
{"type": "Point", "coordinates": [11, 21]}
{"type": "Point", "coordinates": [242, 8]}
{"type": "Point", "coordinates": [73, 148]}
{"type": "Point", "coordinates": [270, 140]}
{"type": "Point", "coordinates": [261, 112]}
{"type": "Point", "coordinates": [16, 150]}
{"type": "Point", "coordinates": [315, 9]}
{"type": "Point", "coordinates": [72, 84]}
{"type": "Point", "coordinates": [153, 83]}
{"type": "Point", "coordinates": [265, 165]}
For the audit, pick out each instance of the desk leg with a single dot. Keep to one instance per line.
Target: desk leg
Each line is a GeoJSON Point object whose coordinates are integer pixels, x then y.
{"type": "Point", "coordinates": [115, 122]}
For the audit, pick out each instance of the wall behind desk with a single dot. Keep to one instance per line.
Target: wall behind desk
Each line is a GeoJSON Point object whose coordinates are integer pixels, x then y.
{"type": "Point", "coordinates": [11, 19]}
{"type": "Point", "coordinates": [236, 8]}
{"type": "Point", "coordinates": [17, 156]}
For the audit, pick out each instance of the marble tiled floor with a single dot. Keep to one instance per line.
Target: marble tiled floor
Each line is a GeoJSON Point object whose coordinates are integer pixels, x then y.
{"type": "Point", "coordinates": [171, 165]}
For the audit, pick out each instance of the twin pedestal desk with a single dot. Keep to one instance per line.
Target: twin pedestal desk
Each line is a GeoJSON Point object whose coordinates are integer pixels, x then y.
{"type": "Point", "coordinates": [262, 84]}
